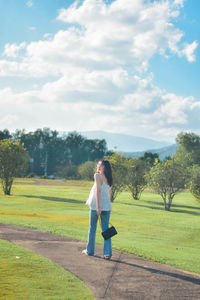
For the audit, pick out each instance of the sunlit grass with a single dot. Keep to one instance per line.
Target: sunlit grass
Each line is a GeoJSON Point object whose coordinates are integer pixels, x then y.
{"type": "Point", "coordinates": [144, 227]}
{"type": "Point", "coordinates": [26, 275]}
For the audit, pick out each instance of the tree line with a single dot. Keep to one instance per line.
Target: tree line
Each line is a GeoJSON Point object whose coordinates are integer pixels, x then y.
{"type": "Point", "coordinates": [73, 156]}
{"type": "Point", "coordinates": [166, 178]}
{"type": "Point", "coordinates": [50, 152]}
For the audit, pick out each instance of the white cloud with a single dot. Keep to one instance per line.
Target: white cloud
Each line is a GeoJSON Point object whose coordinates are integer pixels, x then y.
{"type": "Point", "coordinates": [174, 110]}
{"type": "Point", "coordinates": [178, 3]}
{"type": "Point", "coordinates": [12, 50]}
{"type": "Point", "coordinates": [29, 3]}
{"type": "Point", "coordinates": [8, 120]}
{"type": "Point", "coordinates": [123, 33]}
{"type": "Point", "coordinates": [95, 71]}
{"type": "Point", "coordinates": [32, 28]}
{"type": "Point", "coordinates": [148, 111]}
{"type": "Point", "coordinates": [188, 51]}
{"type": "Point", "coordinates": [47, 35]}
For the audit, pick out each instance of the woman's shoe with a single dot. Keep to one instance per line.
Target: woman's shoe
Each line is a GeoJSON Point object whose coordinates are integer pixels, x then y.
{"type": "Point", "coordinates": [85, 252]}
{"type": "Point", "coordinates": [108, 257]}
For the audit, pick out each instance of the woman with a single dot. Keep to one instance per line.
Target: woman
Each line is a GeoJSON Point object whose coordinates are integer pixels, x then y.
{"type": "Point", "coordinates": [99, 202]}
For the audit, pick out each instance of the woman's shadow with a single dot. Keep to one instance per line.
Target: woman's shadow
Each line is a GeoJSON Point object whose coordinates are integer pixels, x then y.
{"type": "Point", "coordinates": [156, 271]}
{"type": "Point", "coordinates": [57, 199]}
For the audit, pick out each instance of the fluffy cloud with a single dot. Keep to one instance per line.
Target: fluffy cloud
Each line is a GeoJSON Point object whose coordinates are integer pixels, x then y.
{"type": "Point", "coordinates": [103, 36]}
{"type": "Point", "coordinates": [12, 50]}
{"type": "Point", "coordinates": [95, 72]}
{"type": "Point", "coordinates": [189, 50]}
{"type": "Point", "coordinates": [148, 111]}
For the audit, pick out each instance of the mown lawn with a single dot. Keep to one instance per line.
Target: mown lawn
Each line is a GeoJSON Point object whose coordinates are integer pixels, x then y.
{"type": "Point", "coordinates": [26, 275]}
{"type": "Point", "coordinates": [144, 227]}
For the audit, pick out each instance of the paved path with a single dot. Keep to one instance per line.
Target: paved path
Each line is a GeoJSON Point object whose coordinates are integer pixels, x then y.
{"type": "Point", "coordinates": [124, 277]}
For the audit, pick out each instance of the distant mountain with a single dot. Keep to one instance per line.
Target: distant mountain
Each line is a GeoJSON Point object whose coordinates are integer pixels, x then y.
{"type": "Point", "coordinates": [132, 146]}
{"type": "Point", "coordinates": [162, 152]}
{"type": "Point", "coordinates": [124, 142]}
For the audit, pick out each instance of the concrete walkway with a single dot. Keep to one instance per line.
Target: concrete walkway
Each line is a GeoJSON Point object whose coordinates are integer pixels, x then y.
{"type": "Point", "coordinates": [124, 277]}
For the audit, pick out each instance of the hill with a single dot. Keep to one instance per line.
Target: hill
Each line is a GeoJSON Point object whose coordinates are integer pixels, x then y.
{"type": "Point", "coordinates": [162, 152]}
{"type": "Point", "coordinates": [124, 142]}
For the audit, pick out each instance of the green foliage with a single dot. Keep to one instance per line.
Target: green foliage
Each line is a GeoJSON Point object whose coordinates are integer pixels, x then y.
{"type": "Point", "coordinates": [13, 161]}
{"type": "Point", "coordinates": [87, 170]}
{"type": "Point", "coordinates": [119, 171]}
{"type": "Point", "coordinates": [190, 140]}
{"type": "Point", "coordinates": [150, 158]}
{"type": "Point", "coordinates": [127, 173]}
{"type": "Point", "coordinates": [195, 182]}
{"type": "Point", "coordinates": [167, 179]}
{"type": "Point", "coordinates": [70, 171]}
{"type": "Point", "coordinates": [188, 152]}
{"type": "Point", "coordinates": [82, 149]}
{"type": "Point", "coordinates": [135, 178]}
{"type": "Point", "coordinates": [48, 150]}
{"type": "Point", "coordinates": [5, 134]}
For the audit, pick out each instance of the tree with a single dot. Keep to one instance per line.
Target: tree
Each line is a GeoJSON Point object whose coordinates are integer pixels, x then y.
{"type": "Point", "coordinates": [87, 170]}
{"type": "Point", "coordinates": [119, 171]}
{"type": "Point", "coordinates": [150, 158]}
{"type": "Point", "coordinates": [13, 161]}
{"type": "Point", "coordinates": [188, 152]}
{"type": "Point", "coordinates": [46, 149]}
{"type": "Point", "coordinates": [76, 143]}
{"type": "Point", "coordinates": [167, 179]}
{"type": "Point", "coordinates": [135, 178]}
{"type": "Point", "coordinates": [5, 134]}
{"type": "Point", "coordinates": [195, 182]}
{"type": "Point", "coordinates": [83, 149]}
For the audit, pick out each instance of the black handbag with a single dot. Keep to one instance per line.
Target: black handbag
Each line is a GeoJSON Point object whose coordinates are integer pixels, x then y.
{"type": "Point", "coordinates": [108, 233]}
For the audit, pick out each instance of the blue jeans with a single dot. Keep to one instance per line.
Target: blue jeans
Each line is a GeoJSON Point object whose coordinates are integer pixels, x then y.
{"type": "Point", "coordinates": [105, 216]}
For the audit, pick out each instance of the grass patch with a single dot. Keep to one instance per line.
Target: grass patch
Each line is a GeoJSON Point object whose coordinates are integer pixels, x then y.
{"type": "Point", "coordinates": [26, 275]}
{"type": "Point", "coordinates": [145, 228]}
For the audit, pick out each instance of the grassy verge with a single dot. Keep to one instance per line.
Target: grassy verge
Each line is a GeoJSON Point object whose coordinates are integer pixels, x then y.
{"type": "Point", "coordinates": [144, 228]}
{"type": "Point", "coordinates": [26, 275]}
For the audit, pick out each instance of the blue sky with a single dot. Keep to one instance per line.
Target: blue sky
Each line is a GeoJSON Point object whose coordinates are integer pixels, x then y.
{"type": "Point", "coordinates": [177, 75]}
{"type": "Point", "coordinates": [120, 66]}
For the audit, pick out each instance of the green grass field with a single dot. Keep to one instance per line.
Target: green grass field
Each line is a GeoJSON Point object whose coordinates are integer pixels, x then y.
{"type": "Point", "coordinates": [144, 227]}
{"type": "Point", "coordinates": [26, 275]}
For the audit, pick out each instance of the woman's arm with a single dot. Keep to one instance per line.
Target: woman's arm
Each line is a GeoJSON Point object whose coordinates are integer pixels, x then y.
{"type": "Point", "coordinates": [97, 179]}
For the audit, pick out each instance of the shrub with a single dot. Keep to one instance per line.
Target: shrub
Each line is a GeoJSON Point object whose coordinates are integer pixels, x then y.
{"type": "Point", "coordinates": [68, 172]}
{"type": "Point", "coordinates": [87, 170]}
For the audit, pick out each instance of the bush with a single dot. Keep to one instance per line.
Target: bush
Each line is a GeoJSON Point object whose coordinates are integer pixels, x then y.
{"type": "Point", "coordinates": [31, 175]}
{"type": "Point", "coordinates": [87, 170]}
{"type": "Point", "coordinates": [68, 172]}
{"type": "Point", "coordinates": [43, 177]}
{"type": "Point", "coordinates": [195, 182]}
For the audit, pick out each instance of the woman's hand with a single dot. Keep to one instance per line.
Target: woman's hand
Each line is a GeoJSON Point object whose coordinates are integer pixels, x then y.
{"type": "Point", "coordinates": [98, 210]}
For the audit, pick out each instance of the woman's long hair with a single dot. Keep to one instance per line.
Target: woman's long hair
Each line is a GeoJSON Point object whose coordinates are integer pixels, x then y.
{"type": "Point", "coordinates": [107, 171]}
